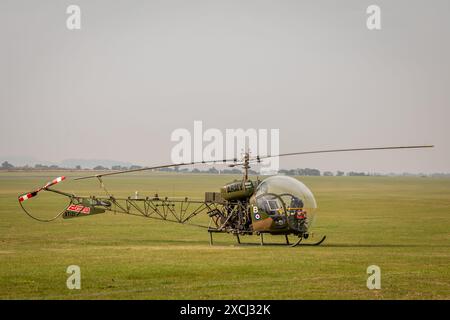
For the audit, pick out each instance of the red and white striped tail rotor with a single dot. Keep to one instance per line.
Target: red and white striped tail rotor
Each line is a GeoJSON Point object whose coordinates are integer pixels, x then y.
{"type": "Point", "coordinates": [34, 193]}
{"type": "Point", "coordinates": [28, 196]}
{"type": "Point", "coordinates": [54, 181]}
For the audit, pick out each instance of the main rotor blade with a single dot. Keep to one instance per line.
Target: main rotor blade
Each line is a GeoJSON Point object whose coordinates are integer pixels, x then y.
{"type": "Point", "coordinates": [345, 150]}
{"type": "Point", "coordinates": [235, 162]}
{"type": "Point", "coordinates": [157, 167]}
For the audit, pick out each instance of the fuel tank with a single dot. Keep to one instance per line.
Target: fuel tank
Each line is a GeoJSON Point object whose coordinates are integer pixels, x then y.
{"type": "Point", "coordinates": [238, 190]}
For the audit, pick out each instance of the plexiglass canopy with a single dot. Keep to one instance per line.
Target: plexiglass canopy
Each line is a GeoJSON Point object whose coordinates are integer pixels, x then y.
{"type": "Point", "coordinates": [283, 195]}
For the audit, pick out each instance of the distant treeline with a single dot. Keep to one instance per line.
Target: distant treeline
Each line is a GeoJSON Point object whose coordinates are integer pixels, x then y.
{"type": "Point", "coordinates": [291, 172]}
{"type": "Point", "coordinates": [8, 166]}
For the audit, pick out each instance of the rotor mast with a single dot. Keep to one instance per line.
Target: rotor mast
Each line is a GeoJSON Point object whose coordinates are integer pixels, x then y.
{"type": "Point", "coordinates": [246, 165]}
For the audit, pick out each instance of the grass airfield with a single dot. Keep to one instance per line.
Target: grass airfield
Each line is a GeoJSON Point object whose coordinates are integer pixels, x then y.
{"type": "Point", "coordinates": [400, 224]}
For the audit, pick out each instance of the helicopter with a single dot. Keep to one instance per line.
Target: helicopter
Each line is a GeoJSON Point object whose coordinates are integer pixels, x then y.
{"type": "Point", "coordinates": [278, 205]}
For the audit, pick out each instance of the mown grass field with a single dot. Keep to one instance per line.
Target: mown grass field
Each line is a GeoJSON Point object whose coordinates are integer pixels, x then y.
{"type": "Point", "coordinates": [400, 224]}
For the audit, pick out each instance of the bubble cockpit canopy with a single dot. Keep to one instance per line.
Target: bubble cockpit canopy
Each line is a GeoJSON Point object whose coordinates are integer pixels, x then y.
{"type": "Point", "coordinates": [285, 195]}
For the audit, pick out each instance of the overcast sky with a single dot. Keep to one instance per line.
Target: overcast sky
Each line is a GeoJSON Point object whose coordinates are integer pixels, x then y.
{"type": "Point", "coordinates": [137, 70]}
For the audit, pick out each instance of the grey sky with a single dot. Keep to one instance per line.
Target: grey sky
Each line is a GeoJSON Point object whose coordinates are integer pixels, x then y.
{"type": "Point", "coordinates": [137, 70]}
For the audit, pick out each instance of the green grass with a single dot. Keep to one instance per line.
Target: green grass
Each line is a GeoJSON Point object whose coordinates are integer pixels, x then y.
{"type": "Point", "coordinates": [400, 224]}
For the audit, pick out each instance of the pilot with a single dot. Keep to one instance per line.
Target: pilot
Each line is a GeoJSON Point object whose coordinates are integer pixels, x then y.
{"type": "Point", "coordinates": [295, 205]}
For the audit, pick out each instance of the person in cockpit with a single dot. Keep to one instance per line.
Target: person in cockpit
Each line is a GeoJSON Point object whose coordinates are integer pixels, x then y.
{"type": "Point", "coordinates": [295, 205]}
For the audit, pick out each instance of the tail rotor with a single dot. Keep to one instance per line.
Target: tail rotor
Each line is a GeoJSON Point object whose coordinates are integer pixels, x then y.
{"type": "Point", "coordinates": [34, 193]}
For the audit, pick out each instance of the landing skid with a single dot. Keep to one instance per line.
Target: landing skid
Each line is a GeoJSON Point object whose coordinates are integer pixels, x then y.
{"type": "Point", "coordinates": [296, 242]}
{"type": "Point", "coordinates": [262, 243]}
{"type": "Point", "coordinates": [310, 244]}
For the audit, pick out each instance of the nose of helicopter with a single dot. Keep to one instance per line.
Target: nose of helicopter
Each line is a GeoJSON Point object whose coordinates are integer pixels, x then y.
{"type": "Point", "coordinates": [289, 203]}
{"type": "Point", "coordinates": [297, 221]}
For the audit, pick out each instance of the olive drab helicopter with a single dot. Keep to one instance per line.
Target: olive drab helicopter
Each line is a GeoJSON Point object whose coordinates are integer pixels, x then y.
{"type": "Point", "coordinates": [278, 205]}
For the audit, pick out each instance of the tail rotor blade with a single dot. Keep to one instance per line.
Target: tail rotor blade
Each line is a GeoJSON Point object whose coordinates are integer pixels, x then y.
{"type": "Point", "coordinates": [32, 194]}
{"type": "Point", "coordinates": [28, 196]}
{"type": "Point", "coordinates": [54, 181]}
